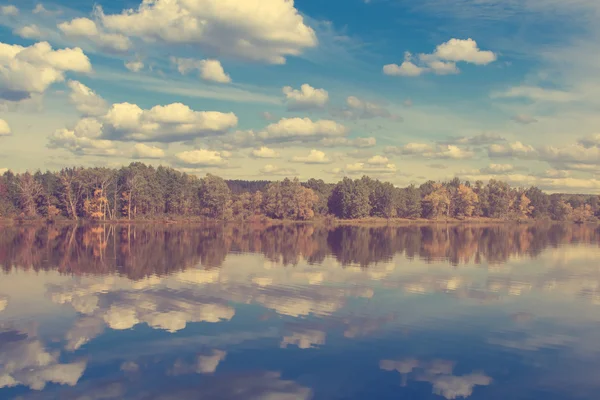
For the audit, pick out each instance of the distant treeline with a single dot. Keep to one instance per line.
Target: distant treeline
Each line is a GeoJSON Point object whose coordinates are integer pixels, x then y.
{"type": "Point", "coordinates": [139, 191]}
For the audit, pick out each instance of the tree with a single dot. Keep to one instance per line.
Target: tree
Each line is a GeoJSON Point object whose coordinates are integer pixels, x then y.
{"type": "Point", "coordinates": [559, 209]}
{"type": "Point", "coordinates": [383, 200]}
{"type": "Point", "coordinates": [437, 201]}
{"type": "Point", "coordinates": [349, 199]}
{"type": "Point", "coordinates": [95, 207]}
{"type": "Point", "coordinates": [582, 214]}
{"type": "Point", "coordinates": [465, 201]}
{"type": "Point", "coordinates": [215, 197]}
{"type": "Point", "coordinates": [323, 190]}
{"type": "Point", "coordinates": [289, 200]}
{"type": "Point", "coordinates": [523, 206]}
{"type": "Point", "coordinates": [412, 205]}
{"type": "Point", "coordinates": [498, 199]}
{"type": "Point", "coordinates": [540, 202]}
{"type": "Point", "coordinates": [29, 191]}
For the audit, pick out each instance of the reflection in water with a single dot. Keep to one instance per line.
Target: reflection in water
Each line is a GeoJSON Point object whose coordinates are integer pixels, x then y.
{"type": "Point", "coordinates": [298, 312]}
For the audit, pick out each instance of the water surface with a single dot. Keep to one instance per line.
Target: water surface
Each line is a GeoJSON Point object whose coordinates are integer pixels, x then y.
{"type": "Point", "coordinates": [300, 312]}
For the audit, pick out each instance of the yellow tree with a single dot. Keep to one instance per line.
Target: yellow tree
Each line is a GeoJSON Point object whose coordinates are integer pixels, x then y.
{"type": "Point", "coordinates": [524, 207]}
{"type": "Point", "coordinates": [466, 200]}
{"type": "Point", "coordinates": [94, 207]}
{"type": "Point", "coordinates": [582, 213]}
{"type": "Point", "coordinates": [439, 200]}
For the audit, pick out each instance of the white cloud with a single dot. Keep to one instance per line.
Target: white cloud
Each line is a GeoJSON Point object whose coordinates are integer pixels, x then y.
{"type": "Point", "coordinates": [306, 98]}
{"type": "Point", "coordinates": [271, 29]}
{"type": "Point", "coordinates": [271, 169]}
{"type": "Point", "coordinates": [378, 160]}
{"type": "Point", "coordinates": [202, 158]}
{"type": "Point", "coordinates": [69, 140]}
{"type": "Point", "coordinates": [359, 109]}
{"type": "Point", "coordinates": [443, 60]}
{"type": "Point", "coordinates": [210, 70]}
{"type": "Point", "coordinates": [85, 28]}
{"type": "Point", "coordinates": [452, 387]}
{"type": "Point", "coordinates": [9, 10]}
{"type": "Point", "coordinates": [366, 168]}
{"type": "Point", "coordinates": [464, 50]}
{"type": "Point", "coordinates": [314, 157]}
{"type": "Point", "coordinates": [86, 100]}
{"type": "Point", "coordinates": [29, 32]}
{"type": "Point", "coordinates": [524, 119]}
{"type": "Point", "coordinates": [497, 169]}
{"type": "Point", "coordinates": [3, 299]}
{"type": "Point", "coordinates": [4, 128]}
{"type": "Point", "coordinates": [25, 71]}
{"type": "Point", "coordinates": [134, 66]}
{"type": "Point", "coordinates": [169, 123]}
{"type": "Point", "coordinates": [27, 362]}
{"type": "Point", "coordinates": [439, 151]}
{"type": "Point", "coordinates": [288, 129]}
{"type": "Point", "coordinates": [208, 364]}
{"type": "Point", "coordinates": [509, 150]}
{"type": "Point", "coordinates": [40, 9]}
{"type": "Point", "coordinates": [575, 153]}
{"type": "Point", "coordinates": [141, 150]}
{"type": "Point", "coordinates": [407, 68]}
{"type": "Point", "coordinates": [264, 152]}
{"type": "Point", "coordinates": [307, 339]}
{"type": "Point", "coordinates": [343, 141]}
{"type": "Point", "coordinates": [536, 94]}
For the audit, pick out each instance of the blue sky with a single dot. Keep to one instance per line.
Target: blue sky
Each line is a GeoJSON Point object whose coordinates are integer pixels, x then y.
{"type": "Point", "coordinates": [272, 88]}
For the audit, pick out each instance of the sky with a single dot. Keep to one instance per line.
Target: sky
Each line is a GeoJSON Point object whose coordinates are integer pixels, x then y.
{"type": "Point", "coordinates": [399, 90]}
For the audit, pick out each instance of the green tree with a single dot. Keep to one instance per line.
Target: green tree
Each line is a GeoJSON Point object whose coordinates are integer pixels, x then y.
{"type": "Point", "coordinates": [350, 199]}
{"type": "Point", "coordinates": [215, 197]}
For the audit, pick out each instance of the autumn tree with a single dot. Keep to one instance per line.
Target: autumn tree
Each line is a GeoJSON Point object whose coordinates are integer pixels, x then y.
{"type": "Point", "coordinates": [29, 191]}
{"type": "Point", "coordinates": [288, 199]}
{"type": "Point", "coordinates": [465, 201]}
{"type": "Point", "coordinates": [437, 201]}
{"type": "Point", "coordinates": [582, 214]}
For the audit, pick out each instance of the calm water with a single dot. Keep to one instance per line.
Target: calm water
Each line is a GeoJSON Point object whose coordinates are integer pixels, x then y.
{"type": "Point", "coordinates": [298, 312]}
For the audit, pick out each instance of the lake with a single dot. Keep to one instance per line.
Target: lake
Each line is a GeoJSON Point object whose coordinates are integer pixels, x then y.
{"type": "Point", "coordinates": [300, 312]}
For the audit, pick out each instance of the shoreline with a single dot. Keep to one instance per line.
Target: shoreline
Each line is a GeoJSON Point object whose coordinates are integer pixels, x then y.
{"type": "Point", "coordinates": [264, 221]}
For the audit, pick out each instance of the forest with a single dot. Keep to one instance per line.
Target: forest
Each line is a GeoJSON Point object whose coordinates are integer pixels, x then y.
{"type": "Point", "coordinates": [143, 192]}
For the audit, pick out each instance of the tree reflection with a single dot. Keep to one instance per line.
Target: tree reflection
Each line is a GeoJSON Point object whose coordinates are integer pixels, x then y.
{"type": "Point", "coordinates": [138, 251]}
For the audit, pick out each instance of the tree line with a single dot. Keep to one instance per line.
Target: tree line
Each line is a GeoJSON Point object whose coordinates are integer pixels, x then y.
{"type": "Point", "coordinates": [140, 191]}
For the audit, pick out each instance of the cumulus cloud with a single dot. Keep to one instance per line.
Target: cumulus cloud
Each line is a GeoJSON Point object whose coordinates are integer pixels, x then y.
{"type": "Point", "coordinates": [314, 157]}
{"type": "Point", "coordinates": [209, 70]}
{"type": "Point", "coordinates": [290, 129]}
{"type": "Point", "coordinates": [26, 362]}
{"type": "Point", "coordinates": [170, 123]}
{"type": "Point", "coordinates": [306, 339]}
{"type": "Point", "coordinates": [361, 109]}
{"type": "Point", "coordinates": [497, 169]}
{"type": "Point", "coordinates": [202, 158]}
{"type": "Point", "coordinates": [378, 160]}
{"type": "Point", "coordinates": [207, 364]}
{"type": "Point", "coordinates": [453, 387]}
{"type": "Point", "coordinates": [86, 100]}
{"type": "Point", "coordinates": [271, 169]}
{"type": "Point", "coordinates": [9, 10]}
{"type": "Point", "coordinates": [40, 9]}
{"type": "Point", "coordinates": [511, 150]}
{"type": "Point", "coordinates": [70, 140]}
{"type": "Point", "coordinates": [343, 141]}
{"type": "Point", "coordinates": [407, 68]}
{"type": "Point", "coordinates": [4, 128]}
{"type": "Point", "coordinates": [134, 66]}
{"type": "Point", "coordinates": [306, 98]}
{"type": "Point", "coordinates": [141, 150]}
{"type": "Point", "coordinates": [362, 168]}
{"type": "Point", "coordinates": [439, 151]}
{"type": "Point", "coordinates": [28, 32]}
{"type": "Point", "coordinates": [271, 31]}
{"type": "Point", "coordinates": [85, 28]}
{"type": "Point", "coordinates": [477, 140]}
{"type": "Point", "coordinates": [3, 302]}
{"type": "Point", "coordinates": [524, 119]}
{"type": "Point", "coordinates": [443, 60]}
{"type": "Point", "coordinates": [264, 152]}
{"type": "Point", "coordinates": [26, 71]}
{"type": "Point", "coordinates": [575, 153]}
